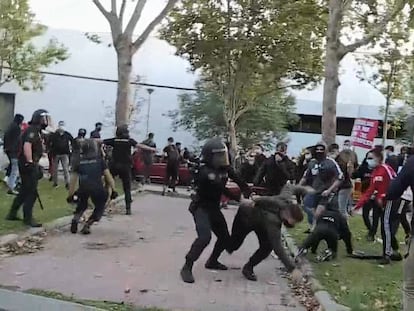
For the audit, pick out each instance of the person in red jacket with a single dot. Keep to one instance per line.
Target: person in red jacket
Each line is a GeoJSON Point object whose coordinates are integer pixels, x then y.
{"type": "Point", "coordinates": [381, 177]}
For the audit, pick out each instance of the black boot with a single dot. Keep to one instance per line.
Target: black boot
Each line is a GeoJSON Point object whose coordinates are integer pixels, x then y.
{"type": "Point", "coordinates": [186, 272]}
{"type": "Point", "coordinates": [370, 237]}
{"type": "Point", "coordinates": [248, 272]}
{"type": "Point", "coordinates": [396, 256]}
{"type": "Point", "coordinates": [74, 226]}
{"type": "Point", "coordinates": [86, 229]}
{"type": "Point", "coordinates": [215, 265]}
{"type": "Point", "coordinates": [386, 260]}
{"type": "Point", "coordinates": [32, 223]}
{"type": "Point", "coordinates": [12, 217]}
{"type": "Point", "coordinates": [128, 209]}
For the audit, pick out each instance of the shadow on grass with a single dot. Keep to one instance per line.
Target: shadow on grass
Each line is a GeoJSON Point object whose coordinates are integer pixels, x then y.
{"type": "Point", "coordinates": [358, 284]}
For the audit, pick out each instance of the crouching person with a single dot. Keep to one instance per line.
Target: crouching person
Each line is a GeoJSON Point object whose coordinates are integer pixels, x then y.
{"type": "Point", "coordinates": [87, 174]}
{"type": "Point", "coordinates": [330, 226]}
{"type": "Point", "coordinates": [265, 216]}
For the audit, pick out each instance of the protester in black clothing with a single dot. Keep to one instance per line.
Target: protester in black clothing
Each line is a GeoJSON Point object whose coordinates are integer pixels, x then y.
{"type": "Point", "coordinates": [210, 185]}
{"type": "Point", "coordinates": [186, 154]}
{"type": "Point", "coordinates": [12, 146]}
{"type": "Point", "coordinates": [96, 133]}
{"type": "Point", "coordinates": [259, 157]}
{"type": "Point", "coordinates": [265, 216]}
{"type": "Point", "coordinates": [325, 176]}
{"type": "Point", "coordinates": [61, 143]}
{"type": "Point", "coordinates": [148, 156]}
{"type": "Point", "coordinates": [121, 161]}
{"type": "Point", "coordinates": [173, 163]}
{"type": "Point", "coordinates": [363, 172]}
{"type": "Point", "coordinates": [76, 147]}
{"type": "Point", "coordinates": [87, 175]}
{"type": "Point", "coordinates": [178, 146]}
{"type": "Point", "coordinates": [30, 171]}
{"type": "Point", "coordinates": [391, 159]}
{"type": "Point", "coordinates": [330, 225]}
{"type": "Point", "coordinates": [248, 170]}
{"type": "Point", "coordinates": [276, 170]}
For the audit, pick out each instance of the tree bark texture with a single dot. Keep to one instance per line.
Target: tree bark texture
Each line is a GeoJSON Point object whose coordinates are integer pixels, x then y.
{"type": "Point", "coordinates": [233, 139]}
{"type": "Point", "coordinates": [123, 100]}
{"type": "Point", "coordinates": [331, 83]}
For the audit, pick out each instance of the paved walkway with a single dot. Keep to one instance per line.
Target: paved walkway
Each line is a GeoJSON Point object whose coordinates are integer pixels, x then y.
{"type": "Point", "coordinates": [137, 260]}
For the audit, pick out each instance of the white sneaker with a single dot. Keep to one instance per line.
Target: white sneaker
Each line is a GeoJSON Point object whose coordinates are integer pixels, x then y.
{"type": "Point", "coordinates": [6, 179]}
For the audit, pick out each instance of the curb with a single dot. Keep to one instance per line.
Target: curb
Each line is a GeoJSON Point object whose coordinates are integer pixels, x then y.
{"type": "Point", "coordinates": [326, 302]}
{"type": "Point", "coordinates": [55, 224]}
{"type": "Point", "coordinates": [15, 300]}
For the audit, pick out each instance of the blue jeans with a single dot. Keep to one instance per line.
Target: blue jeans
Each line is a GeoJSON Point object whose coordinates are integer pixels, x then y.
{"type": "Point", "coordinates": [308, 206]}
{"type": "Point", "coordinates": [344, 198]}
{"type": "Point", "coordinates": [14, 173]}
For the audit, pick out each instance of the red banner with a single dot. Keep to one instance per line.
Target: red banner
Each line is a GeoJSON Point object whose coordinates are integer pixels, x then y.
{"type": "Point", "coordinates": [364, 132]}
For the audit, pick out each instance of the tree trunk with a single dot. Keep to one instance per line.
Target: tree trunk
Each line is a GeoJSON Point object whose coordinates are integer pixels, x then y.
{"type": "Point", "coordinates": [332, 60]}
{"type": "Point", "coordinates": [123, 101]}
{"type": "Point", "coordinates": [385, 124]}
{"type": "Point", "coordinates": [233, 140]}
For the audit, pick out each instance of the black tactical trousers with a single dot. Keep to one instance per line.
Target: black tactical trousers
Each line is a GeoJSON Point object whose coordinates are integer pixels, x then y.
{"type": "Point", "coordinates": [376, 215]}
{"type": "Point", "coordinates": [98, 197]}
{"type": "Point", "coordinates": [124, 172]}
{"type": "Point", "coordinates": [322, 232]}
{"type": "Point", "coordinates": [207, 220]}
{"type": "Point", "coordinates": [243, 224]}
{"type": "Point", "coordinates": [28, 192]}
{"type": "Point", "coordinates": [172, 174]}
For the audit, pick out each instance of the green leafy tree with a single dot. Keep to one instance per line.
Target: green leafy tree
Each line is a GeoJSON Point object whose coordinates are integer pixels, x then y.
{"type": "Point", "coordinates": [388, 69]}
{"type": "Point", "coordinates": [202, 114]}
{"type": "Point", "coordinates": [353, 24]}
{"type": "Point", "coordinates": [246, 50]}
{"type": "Point", "coordinates": [20, 59]}
{"type": "Point", "coordinates": [126, 45]}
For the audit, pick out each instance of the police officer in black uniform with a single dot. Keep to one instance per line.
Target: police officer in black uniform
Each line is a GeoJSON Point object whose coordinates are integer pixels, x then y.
{"type": "Point", "coordinates": [210, 184]}
{"type": "Point", "coordinates": [30, 171]}
{"type": "Point", "coordinates": [87, 174]}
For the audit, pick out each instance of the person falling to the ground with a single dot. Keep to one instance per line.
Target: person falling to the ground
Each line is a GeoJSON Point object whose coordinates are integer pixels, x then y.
{"type": "Point", "coordinates": [265, 216]}
{"type": "Point", "coordinates": [87, 174]}
{"type": "Point", "coordinates": [210, 184]}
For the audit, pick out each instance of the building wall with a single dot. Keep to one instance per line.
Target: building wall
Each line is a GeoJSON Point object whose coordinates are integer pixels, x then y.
{"type": "Point", "coordinates": [6, 110]}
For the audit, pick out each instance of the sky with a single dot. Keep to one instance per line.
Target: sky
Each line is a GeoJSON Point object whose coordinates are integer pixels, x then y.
{"type": "Point", "coordinates": [82, 103]}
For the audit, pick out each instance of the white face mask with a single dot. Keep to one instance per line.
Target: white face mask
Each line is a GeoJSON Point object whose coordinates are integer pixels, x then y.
{"type": "Point", "coordinates": [61, 128]}
{"type": "Point", "coordinates": [347, 147]}
{"type": "Point", "coordinates": [251, 162]}
{"type": "Point", "coordinates": [372, 163]}
{"type": "Point", "coordinates": [308, 156]}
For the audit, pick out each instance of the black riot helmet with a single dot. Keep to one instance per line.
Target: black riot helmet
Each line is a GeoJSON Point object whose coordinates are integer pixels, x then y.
{"type": "Point", "coordinates": [40, 118]}
{"type": "Point", "coordinates": [89, 149]}
{"type": "Point", "coordinates": [122, 131]}
{"type": "Point", "coordinates": [215, 154]}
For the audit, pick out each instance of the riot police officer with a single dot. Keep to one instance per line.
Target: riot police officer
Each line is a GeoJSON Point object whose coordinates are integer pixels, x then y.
{"type": "Point", "coordinates": [121, 160]}
{"type": "Point", "coordinates": [89, 171]}
{"type": "Point", "coordinates": [30, 171]}
{"type": "Point", "coordinates": [210, 184]}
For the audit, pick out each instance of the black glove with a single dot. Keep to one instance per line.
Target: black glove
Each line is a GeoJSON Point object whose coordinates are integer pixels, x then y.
{"type": "Point", "coordinates": [70, 199]}
{"type": "Point", "coordinates": [114, 195]}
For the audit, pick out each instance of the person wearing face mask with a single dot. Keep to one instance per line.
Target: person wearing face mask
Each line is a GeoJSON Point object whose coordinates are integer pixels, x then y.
{"type": "Point", "coordinates": [60, 146]}
{"type": "Point", "coordinates": [259, 157]}
{"type": "Point", "coordinates": [381, 178]}
{"type": "Point", "coordinates": [364, 172]}
{"type": "Point", "coordinates": [325, 176]}
{"type": "Point", "coordinates": [276, 171]}
{"type": "Point", "coordinates": [248, 169]}
{"type": "Point", "coordinates": [30, 171]}
{"type": "Point", "coordinates": [96, 133]}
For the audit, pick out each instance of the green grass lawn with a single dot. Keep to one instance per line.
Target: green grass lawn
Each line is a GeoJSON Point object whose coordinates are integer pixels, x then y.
{"type": "Point", "coordinates": [54, 202]}
{"type": "Point", "coordinates": [358, 284]}
{"type": "Point", "coordinates": [105, 305]}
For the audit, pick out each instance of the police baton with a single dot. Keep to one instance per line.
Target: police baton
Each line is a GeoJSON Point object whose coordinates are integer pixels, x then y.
{"type": "Point", "coordinates": [40, 201]}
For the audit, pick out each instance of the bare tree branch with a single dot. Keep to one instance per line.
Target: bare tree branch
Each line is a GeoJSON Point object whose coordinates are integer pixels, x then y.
{"type": "Point", "coordinates": [135, 17]}
{"type": "Point", "coordinates": [122, 11]}
{"type": "Point", "coordinates": [102, 9]}
{"type": "Point", "coordinates": [141, 39]}
{"type": "Point", "coordinates": [113, 7]}
{"type": "Point", "coordinates": [377, 30]}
